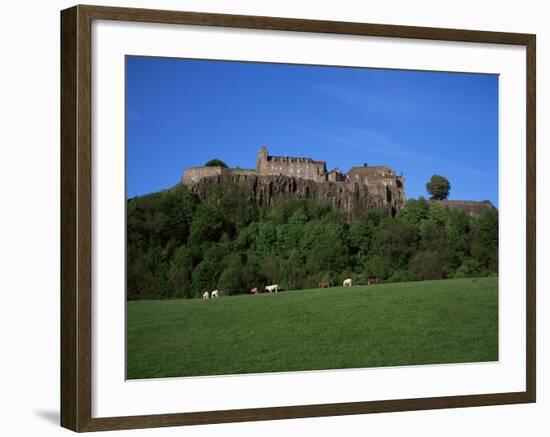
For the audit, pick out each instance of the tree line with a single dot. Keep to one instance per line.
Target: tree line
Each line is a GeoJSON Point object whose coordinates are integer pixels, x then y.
{"type": "Point", "coordinates": [179, 246]}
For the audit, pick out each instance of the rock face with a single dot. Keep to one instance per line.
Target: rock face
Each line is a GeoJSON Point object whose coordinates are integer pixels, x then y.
{"type": "Point", "coordinates": [352, 198]}
{"type": "Point", "coordinates": [471, 207]}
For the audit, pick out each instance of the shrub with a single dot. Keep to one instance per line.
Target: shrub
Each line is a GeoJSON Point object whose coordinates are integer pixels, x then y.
{"type": "Point", "coordinates": [402, 276]}
{"type": "Point", "coordinates": [469, 268]}
{"type": "Point", "coordinates": [215, 163]}
{"type": "Point", "coordinates": [428, 265]}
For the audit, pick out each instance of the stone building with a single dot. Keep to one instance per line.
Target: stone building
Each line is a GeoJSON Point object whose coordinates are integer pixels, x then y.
{"type": "Point", "coordinates": [195, 174]}
{"type": "Point", "coordinates": [380, 180]}
{"type": "Point", "coordinates": [304, 168]}
{"type": "Point", "coordinates": [376, 186]}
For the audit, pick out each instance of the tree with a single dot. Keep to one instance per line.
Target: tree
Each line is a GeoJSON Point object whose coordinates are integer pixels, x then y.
{"type": "Point", "coordinates": [232, 279]}
{"type": "Point", "coordinates": [206, 274]}
{"type": "Point", "coordinates": [395, 240]}
{"type": "Point", "coordinates": [458, 232]}
{"type": "Point", "coordinates": [360, 235]}
{"type": "Point", "coordinates": [231, 201]}
{"type": "Point", "coordinates": [292, 232]}
{"type": "Point", "coordinates": [429, 264]}
{"type": "Point", "coordinates": [484, 245]}
{"type": "Point", "coordinates": [379, 267]}
{"type": "Point", "coordinates": [326, 246]}
{"type": "Point", "coordinates": [179, 245]}
{"type": "Point", "coordinates": [208, 225]}
{"type": "Point", "coordinates": [415, 211]}
{"type": "Point", "coordinates": [215, 163]}
{"type": "Point", "coordinates": [180, 271]}
{"type": "Point", "coordinates": [438, 187]}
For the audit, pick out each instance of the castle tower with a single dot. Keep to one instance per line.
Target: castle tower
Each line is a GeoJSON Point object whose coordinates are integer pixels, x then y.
{"type": "Point", "coordinates": [261, 162]}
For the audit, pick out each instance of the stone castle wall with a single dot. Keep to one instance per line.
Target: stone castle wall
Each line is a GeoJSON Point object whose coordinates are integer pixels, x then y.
{"type": "Point", "coordinates": [362, 187]}
{"type": "Point", "coordinates": [471, 207]}
{"type": "Point", "coordinates": [380, 179]}
{"type": "Point", "coordinates": [305, 168]}
{"type": "Point", "coordinates": [195, 174]}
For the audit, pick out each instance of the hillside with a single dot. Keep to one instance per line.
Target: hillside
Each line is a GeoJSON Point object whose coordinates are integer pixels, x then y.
{"type": "Point", "coordinates": [430, 322]}
{"type": "Point", "coordinates": [180, 243]}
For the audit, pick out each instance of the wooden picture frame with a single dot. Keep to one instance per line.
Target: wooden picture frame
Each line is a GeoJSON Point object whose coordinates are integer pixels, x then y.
{"type": "Point", "coordinates": [76, 217]}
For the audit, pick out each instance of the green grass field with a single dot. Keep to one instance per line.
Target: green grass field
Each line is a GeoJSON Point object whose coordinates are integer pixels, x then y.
{"type": "Point", "coordinates": [447, 321]}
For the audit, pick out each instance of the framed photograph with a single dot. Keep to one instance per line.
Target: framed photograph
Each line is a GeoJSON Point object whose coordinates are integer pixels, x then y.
{"type": "Point", "coordinates": [269, 218]}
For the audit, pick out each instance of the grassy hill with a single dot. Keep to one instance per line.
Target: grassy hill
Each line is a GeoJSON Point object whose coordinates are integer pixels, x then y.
{"type": "Point", "coordinates": [446, 321]}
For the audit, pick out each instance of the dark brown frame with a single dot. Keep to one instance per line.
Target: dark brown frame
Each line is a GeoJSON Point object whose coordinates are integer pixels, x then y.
{"type": "Point", "coordinates": [76, 224]}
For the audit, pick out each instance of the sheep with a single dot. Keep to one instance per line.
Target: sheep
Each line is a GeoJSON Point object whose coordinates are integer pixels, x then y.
{"type": "Point", "coordinates": [273, 287]}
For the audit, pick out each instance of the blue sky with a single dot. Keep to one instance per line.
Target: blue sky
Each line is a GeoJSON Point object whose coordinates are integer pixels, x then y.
{"type": "Point", "coordinates": [181, 113]}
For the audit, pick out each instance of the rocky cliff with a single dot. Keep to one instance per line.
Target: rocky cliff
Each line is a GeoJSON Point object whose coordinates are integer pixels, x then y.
{"type": "Point", "coordinates": [471, 207]}
{"type": "Point", "coordinates": [352, 198]}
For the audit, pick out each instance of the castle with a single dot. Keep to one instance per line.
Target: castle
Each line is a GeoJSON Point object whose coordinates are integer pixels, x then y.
{"type": "Point", "coordinates": [378, 184]}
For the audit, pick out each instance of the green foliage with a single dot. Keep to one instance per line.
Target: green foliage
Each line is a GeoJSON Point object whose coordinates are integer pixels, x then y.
{"type": "Point", "coordinates": [208, 226]}
{"type": "Point", "coordinates": [428, 264]}
{"type": "Point", "coordinates": [415, 211]}
{"type": "Point", "coordinates": [180, 247]}
{"type": "Point", "coordinates": [230, 202]}
{"type": "Point", "coordinates": [458, 232]}
{"type": "Point", "coordinates": [438, 214]}
{"type": "Point", "coordinates": [360, 236]}
{"type": "Point", "coordinates": [216, 163]}
{"type": "Point", "coordinates": [403, 276]}
{"type": "Point", "coordinates": [206, 273]}
{"type": "Point", "coordinates": [233, 278]}
{"type": "Point", "coordinates": [180, 273]}
{"type": "Point", "coordinates": [438, 187]}
{"type": "Point", "coordinates": [395, 240]}
{"type": "Point", "coordinates": [157, 224]}
{"type": "Point", "coordinates": [470, 268]}
{"type": "Point", "coordinates": [379, 266]}
{"type": "Point", "coordinates": [326, 246]}
{"type": "Point", "coordinates": [376, 215]}
{"type": "Point", "coordinates": [484, 248]}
